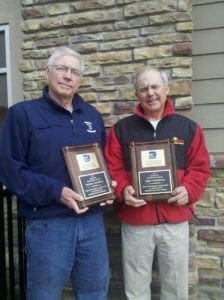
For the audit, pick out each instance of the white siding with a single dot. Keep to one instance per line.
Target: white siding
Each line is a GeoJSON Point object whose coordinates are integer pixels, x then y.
{"type": "Point", "coordinates": [208, 71]}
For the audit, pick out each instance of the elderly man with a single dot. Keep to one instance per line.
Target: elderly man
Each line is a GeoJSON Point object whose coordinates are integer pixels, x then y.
{"type": "Point", "coordinates": [161, 225]}
{"type": "Point", "coordinates": [62, 240]}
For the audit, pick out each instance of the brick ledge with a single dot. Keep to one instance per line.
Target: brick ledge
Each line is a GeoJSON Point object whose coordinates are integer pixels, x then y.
{"type": "Point", "coordinates": [217, 160]}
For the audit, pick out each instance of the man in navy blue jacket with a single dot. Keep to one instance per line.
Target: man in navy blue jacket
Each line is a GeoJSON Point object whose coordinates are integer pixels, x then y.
{"type": "Point", "coordinates": [62, 240]}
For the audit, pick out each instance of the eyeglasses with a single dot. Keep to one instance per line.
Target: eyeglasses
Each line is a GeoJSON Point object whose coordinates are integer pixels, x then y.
{"type": "Point", "coordinates": [145, 89]}
{"type": "Point", "coordinates": [64, 69]}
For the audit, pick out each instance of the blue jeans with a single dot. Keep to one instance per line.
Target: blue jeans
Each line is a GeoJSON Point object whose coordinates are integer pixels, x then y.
{"type": "Point", "coordinates": [59, 248]}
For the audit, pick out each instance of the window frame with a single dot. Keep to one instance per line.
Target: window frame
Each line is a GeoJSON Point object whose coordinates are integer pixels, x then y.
{"type": "Point", "coordinates": [7, 69]}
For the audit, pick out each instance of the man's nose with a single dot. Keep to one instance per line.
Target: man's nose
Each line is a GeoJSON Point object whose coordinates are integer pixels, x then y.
{"type": "Point", "coordinates": [150, 90]}
{"type": "Point", "coordinates": [68, 73]}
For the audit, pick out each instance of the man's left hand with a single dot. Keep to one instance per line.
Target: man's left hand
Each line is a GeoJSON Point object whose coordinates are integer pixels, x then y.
{"type": "Point", "coordinates": [180, 196]}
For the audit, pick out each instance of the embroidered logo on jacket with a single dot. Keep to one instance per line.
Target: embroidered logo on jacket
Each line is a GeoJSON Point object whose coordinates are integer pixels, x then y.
{"type": "Point", "coordinates": [90, 127]}
{"type": "Point", "coordinates": [177, 141]}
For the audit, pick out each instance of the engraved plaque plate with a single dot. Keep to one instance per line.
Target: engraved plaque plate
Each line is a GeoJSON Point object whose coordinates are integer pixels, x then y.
{"type": "Point", "coordinates": [153, 169]}
{"type": "Point", "coordinates": [88, 173]}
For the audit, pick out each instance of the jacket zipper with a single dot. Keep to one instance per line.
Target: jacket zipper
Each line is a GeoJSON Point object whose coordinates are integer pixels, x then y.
{"type": "Point", "coordinates": [73, 126]}
{"type": "Point", "coordinates": [157, 212]}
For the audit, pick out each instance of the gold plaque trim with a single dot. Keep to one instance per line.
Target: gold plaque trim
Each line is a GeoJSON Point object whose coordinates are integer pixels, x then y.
{"type": "Point", "coordinates": [88, 173]}
{"type": "Point", "coordinates": [153, 169]}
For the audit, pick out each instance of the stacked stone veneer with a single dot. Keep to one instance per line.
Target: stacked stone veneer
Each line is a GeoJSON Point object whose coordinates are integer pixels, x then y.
{"type": "Point", "coordinates": [209, 233]}
{"type": "Point", "coordinates": [116, 38]}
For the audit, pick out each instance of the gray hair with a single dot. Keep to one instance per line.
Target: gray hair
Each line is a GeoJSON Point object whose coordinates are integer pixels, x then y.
{"type": "Point", "coordinates": [162, 73]}
{"type": "Point", "coordinates": [64, 51]}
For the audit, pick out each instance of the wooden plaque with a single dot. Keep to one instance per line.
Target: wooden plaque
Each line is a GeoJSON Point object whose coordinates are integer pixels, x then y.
{"type": "Point", "coordinates": [88, 173]}
{"type": "Point", "coordinates": [153, 169]}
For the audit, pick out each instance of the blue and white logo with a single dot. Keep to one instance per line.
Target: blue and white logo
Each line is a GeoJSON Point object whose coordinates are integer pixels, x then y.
{"type": "Point", "coordinates": [152, 154]}
{"type": "Point", "coordinates": [86, 158]}
{"type": "Point", "coordinates": [90, 127]}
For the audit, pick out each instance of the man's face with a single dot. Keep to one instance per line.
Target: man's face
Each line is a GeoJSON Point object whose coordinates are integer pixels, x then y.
{"type": "Point", "coordinates": [151, 93]}
{"type": "Point", "coordinates": [64, 78]}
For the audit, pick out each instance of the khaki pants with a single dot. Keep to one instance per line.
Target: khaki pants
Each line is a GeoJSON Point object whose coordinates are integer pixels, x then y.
{"type": "Point", "coordinates": [138, 246]}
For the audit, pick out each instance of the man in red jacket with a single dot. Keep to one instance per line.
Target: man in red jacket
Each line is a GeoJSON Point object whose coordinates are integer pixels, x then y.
{"type": "Point", "coordinates": [161, 225]}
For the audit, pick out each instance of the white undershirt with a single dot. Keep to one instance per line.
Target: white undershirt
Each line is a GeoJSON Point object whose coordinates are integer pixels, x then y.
{"type": "Point", "coordinates": [154, 123]}
{"type": "Point", "coordinates": [70, 109]}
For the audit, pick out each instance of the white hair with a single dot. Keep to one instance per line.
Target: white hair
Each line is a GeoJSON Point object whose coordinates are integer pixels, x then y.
{"type": "Point", "coordinates": [64, 51]}
{"type": "Point", "coordinates": [162, 73]}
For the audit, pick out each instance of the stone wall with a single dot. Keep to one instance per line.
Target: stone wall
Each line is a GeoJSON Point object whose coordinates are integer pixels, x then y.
{"type": "Point", "coordinates": [209, 232]}
{"type": "Point", "coordinates": [117, 37]}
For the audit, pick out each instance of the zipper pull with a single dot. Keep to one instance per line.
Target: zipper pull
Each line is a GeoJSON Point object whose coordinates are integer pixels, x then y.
{"type": "Point", "coordinates": [73, 125]}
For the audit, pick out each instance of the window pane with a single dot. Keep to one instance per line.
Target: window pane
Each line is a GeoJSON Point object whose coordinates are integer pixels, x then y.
{"type": "Point", "coordinates": [2, 50]}
{"type": "Point", "coordinates": [3, 91]}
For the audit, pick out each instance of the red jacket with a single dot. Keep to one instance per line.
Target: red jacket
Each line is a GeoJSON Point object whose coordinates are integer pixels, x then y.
{"type": "Point", "coordinates": [192, 162]}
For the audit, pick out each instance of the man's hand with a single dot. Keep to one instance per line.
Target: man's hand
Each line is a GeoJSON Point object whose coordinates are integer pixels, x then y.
{"type": "Point", "coordinates": [109, 202]}
{"type": "Point", "coordinates": [70, 199]}
{"type": "Point", "coordinates": [129, 199]}
{"type": "Point", "coordinates": [180, 196]}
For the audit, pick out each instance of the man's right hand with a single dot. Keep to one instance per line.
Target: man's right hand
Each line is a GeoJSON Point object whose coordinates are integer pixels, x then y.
{"type": "Point", "coordinates": [129, 199]}
{"type": "Point", "coordinates": [70, 199]}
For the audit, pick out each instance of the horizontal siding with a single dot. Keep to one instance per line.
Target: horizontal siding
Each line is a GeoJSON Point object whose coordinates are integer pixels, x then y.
{"type": "Point", "coordinates": [210, 116]}
{"type": "Point", "coordinates": [214, 140]}
{"type": "Point", "coordinates": [208, 71]}
{"type": "Point", "coordinates": [208, 41]}
{"type": "Point", "coordinates": [203, 91]}
{"type": "Point", "coordinates": [208, 66]}
{"type": "Point", "coordinates": [199, 2]}
{"type": "Point", "coordinates": [208, 16]}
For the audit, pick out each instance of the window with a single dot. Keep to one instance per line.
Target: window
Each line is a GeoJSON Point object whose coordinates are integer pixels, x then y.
{"type": "Point", "coordinates": [5, 82]}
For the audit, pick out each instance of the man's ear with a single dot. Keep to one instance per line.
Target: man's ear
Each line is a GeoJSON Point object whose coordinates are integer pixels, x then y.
{"type": "Point", "coordinates": [167, 89]}
{"type": "Point", "coordinates": [47, 72]}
